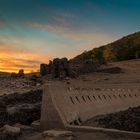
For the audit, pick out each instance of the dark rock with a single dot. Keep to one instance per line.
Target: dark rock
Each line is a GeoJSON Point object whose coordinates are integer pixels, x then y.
{"type": "Point", "coordinates": [35, 78]}
{"type": "Point", "coordinates": [4, 136]}
{"type": "Point", "coordinates": [21, 108]}
{"type": "Point", "coordinates": [21, 73]}
{"type": "Point", "coordinates": [24, 113]}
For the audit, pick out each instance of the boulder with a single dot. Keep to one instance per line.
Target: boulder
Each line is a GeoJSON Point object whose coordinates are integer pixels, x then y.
{"type": "Point", "coordinates": [24, 113]}
{"type": "Point", "coordinates": [11, 130]}
{"type": "Point", "coordinates": [36, 124]}
{"type": "Point", "coordinates": [22, 127]}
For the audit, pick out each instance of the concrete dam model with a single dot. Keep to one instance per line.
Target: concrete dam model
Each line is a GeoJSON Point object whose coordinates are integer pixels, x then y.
{"type": "Point", "coordinates": [64, 105]}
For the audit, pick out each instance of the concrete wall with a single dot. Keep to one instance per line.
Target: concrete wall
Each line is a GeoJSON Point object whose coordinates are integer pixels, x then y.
{"type": "Point", "coordinates": [64, 105]}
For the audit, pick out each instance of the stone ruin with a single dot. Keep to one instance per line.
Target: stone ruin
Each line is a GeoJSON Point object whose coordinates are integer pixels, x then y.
{"type": "Point", "coordinates": [82, 67]}
{"type": "Point", "coordinates": [61, 68]}
{"type": "Point", "coordinates": [43, 69]}
{"type": "Point", "coordinates": [58, 68]}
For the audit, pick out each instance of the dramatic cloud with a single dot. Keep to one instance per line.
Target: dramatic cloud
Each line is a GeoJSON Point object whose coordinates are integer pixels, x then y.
{"type": "Point", "coordinates": [95, 37]}
{"type": "Point", "coordinates": [34, 31]}
{"type": "Point", "coordinates": [13, 58]}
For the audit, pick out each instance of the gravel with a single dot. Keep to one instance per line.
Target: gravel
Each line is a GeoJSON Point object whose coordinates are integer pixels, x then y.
{"type": "Point", "coordinates": [128, 120]}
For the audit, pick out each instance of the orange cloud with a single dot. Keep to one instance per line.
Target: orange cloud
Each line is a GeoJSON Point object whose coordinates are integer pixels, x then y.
{"type": "Point", "coordinates": [12, 58]}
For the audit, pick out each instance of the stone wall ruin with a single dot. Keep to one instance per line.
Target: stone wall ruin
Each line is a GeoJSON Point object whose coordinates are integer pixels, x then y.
{"type": "Point", "coordinates": [61, 68]}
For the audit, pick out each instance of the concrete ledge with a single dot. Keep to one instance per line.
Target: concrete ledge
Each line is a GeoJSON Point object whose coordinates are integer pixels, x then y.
{"type": "Point", "coordinates": [128, 134]}
{"type": "Point", "coordinates": [66, 105]}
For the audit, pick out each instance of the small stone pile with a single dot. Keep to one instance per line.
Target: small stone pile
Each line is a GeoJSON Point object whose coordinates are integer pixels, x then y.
{"type": "Point", "coordinates": [19, 74]}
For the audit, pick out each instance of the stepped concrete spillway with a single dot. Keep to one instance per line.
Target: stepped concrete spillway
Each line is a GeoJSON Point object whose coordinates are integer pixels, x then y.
{"type": "Point", "coordinates": [64, 105]}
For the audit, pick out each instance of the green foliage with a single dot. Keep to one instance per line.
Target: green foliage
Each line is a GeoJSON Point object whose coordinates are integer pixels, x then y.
{"type": "Point", "coordinates": [109, 54]}
{"type": "Point", "coordinates": [86, 55]}
{"type": "Point", "coordinates": [98, 55]}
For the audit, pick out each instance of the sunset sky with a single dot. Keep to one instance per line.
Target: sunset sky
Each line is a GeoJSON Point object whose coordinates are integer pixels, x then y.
{"type": "Point", "coordinates": [34, 31]}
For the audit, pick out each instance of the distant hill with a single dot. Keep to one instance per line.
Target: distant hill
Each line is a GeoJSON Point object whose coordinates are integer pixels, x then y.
{"type": "Point", "coordinates": [125, 48]}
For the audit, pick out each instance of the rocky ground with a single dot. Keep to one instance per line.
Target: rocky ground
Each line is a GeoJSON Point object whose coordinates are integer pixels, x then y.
{"type": "Point", "coordinates": [128, 120]}
{"type": "Point", "coordinates": [20, 104]}
{"type": "Point", "coordinates": [10, 85]}
{"type": "Point", "coordinates": [19, 111]}
{"type": "Point", "coordinates": [20, 108]}
{"type": "Point", "coordinates": [20, 98]}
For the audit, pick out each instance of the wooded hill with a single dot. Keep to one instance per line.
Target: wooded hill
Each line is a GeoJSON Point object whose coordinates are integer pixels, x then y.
{"type": "Point", "coordinates": [125, 48]}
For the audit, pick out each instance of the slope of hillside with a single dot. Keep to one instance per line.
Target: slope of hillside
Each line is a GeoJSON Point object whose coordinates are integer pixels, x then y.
{"type": "Point", "coordinates": [123, 49]}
